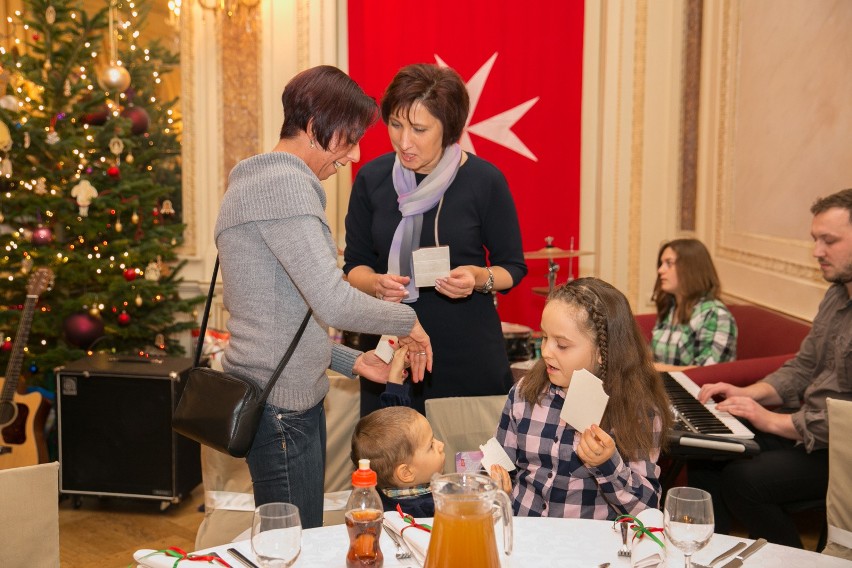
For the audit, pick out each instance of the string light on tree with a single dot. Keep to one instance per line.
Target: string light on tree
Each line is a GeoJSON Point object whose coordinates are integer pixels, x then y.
{"type": "Point", "coordinates": [53, 92]}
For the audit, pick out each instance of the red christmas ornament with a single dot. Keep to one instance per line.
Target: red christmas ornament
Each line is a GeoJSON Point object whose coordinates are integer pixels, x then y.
{"type": "Point", "coordinates": [35, 37]}
{"type": "Point", "coordinates": [82, 329]}
{"type": "Point", "coordinates": [123, 319]}
{"type": "Point", "coordinates": [139, 119]}
{"type": "Point", "coordinates": [97, 117]}
{"type": "Point", "coordinates": [130, 274]}
{"type": "Point", "coordinates": [7, 345]}
{"type": "Point", "coordinates": [113, 171]}
{"type": "Point", "coordinates": [42, 236]}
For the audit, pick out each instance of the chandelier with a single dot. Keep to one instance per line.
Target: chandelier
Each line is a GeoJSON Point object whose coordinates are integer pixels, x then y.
{"type": "Point", "coordinates": [227, 7]}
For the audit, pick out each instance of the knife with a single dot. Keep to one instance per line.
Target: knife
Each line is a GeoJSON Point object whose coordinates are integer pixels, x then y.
{"type": "Point", "coordinates": [739, 558]}
{"type": "Point", "coordinates": [730, 552]}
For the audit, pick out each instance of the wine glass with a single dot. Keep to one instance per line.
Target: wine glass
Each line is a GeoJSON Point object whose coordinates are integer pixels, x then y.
{"type": "Point", "coordinates": [276, 534]}
{"type": "Point", "coordinates": [688, 519]}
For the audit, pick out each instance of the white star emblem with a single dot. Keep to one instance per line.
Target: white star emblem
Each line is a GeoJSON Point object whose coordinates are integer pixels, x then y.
{"type": "Point", "coordinates": [497, 128]}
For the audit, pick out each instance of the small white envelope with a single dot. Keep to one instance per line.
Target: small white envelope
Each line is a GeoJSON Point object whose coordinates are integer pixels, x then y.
{"type": "Point", "coordinates": [384, 349]}
{"type": "Point", "coordinates": [493, 453]}
{"type": "Point", "coordinates": [430, 263]}
{"type": "Point", "coordinates": [585, 401]}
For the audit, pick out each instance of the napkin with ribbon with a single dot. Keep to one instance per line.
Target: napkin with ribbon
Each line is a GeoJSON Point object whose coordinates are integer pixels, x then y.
{"type": "Point", "coordinates": [416, 538]}
{"type": "Point", "coordinates": [646, 541]}
{"type": "Point", "coordinates": [174, 557]}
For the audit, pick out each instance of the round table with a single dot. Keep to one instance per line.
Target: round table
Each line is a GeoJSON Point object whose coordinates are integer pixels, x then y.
{"type": "Point", "coordinates": [545, 542]}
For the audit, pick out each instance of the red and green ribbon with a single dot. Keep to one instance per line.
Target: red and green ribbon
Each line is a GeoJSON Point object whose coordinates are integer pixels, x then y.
{"type": "Point", "coordinates": [411, 522]}
{"type": "Point", "coordinates": [179, 555]}
{"type": "Point", "coordinates": [639, 529]}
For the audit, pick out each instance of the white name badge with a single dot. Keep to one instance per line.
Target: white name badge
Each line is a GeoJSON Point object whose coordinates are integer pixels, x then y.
{"type": "Point", "coordinates": [430, 263]}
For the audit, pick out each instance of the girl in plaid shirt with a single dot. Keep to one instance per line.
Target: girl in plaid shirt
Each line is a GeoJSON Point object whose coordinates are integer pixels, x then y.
{"type": "Point", "coordinates": [609, 469]}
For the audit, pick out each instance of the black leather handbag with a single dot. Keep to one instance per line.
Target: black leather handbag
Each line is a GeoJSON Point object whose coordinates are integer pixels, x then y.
{"type": "Point", "coordinates": [220, 410]}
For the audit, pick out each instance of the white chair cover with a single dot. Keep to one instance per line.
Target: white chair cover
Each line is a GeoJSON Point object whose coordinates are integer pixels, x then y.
{"type": "Point", "coordinates": [463, 423]}
{"type": "Point", "coordinates": [228, 494]}
{"type": "Point", "coordinates": [838, 501]}
{"type": "Point", "coordinates": [29, 515]}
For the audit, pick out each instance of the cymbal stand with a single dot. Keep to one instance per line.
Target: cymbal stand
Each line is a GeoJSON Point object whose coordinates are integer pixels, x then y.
{"type": "Point", "coordinates": [552, 269]}
{"type": "Point", "coordinates": [571, 261]}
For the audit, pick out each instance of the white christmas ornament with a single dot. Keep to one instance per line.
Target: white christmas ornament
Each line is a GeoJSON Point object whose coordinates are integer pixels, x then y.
{"type": "Point", "coordinates": [116, 145]}
{"type": "Point", "coordinates": [6, 167]}
{"type": "Point", "coordinates": [41, 186]}
{"type": "Point", "coordinates": [52, 137]}
{"type": "Point", "coordinates": [9, 103]}
{"type": "Point", "coordinates": [84, 192]}
{"type": "Point", "coordinates": [152, 271]}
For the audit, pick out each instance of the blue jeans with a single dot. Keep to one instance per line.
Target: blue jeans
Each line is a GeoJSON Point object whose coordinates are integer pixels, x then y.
{"type": "Point", "coordinates": [287, 460]}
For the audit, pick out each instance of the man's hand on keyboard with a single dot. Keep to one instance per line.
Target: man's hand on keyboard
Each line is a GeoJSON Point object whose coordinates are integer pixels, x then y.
{"type": "Point", "coordinates": [718, 392]}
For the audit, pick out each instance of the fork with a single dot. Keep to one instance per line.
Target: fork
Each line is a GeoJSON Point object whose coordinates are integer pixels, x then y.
{"type": "Point", "coordinates": [624, 550]}
{"type": "Point", "coordinates": [401, 553]}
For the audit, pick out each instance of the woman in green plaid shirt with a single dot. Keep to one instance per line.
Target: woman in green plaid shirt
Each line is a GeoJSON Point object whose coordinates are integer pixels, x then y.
{"type": "Point", "coordinates": [693, 327]}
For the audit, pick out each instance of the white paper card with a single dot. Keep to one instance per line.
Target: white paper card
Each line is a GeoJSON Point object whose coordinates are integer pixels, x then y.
{"type": "Point", "coordinates": [493, 453]}
{"type": "Point", "coordinates": [384, 349]}
{"type": "Point", "coordinates": [585, 401]}
{"type": "Point", "coordinates": [430, 263]}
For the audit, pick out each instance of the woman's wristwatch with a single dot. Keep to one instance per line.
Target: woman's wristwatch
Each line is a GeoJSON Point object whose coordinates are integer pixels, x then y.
{"type": "Point", "coordinates": [489, 284]}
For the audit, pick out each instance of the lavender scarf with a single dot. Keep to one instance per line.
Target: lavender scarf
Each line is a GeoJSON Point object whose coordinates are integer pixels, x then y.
{"type": "Point", "coordinates": [414, 200]}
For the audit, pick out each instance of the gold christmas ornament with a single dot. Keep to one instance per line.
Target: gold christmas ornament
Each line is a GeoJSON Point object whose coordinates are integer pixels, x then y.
{"type": "Point", "coordinates": [129, 158]}
{"type": "Point", "coordinates": [5, 137]}
{"type": "Point", "coordinates": [94, 312]}
{"type": "Point", "coordinates": [114, 78]}
{"type": "Point", "coordinates": [134, 218]}
{"type": "Point", "coordinates": [138, 300]}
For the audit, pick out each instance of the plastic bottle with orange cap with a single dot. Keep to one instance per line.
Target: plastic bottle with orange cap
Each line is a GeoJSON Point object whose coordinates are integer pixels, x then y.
{"type": "Point", "coordinates": [364, 517]}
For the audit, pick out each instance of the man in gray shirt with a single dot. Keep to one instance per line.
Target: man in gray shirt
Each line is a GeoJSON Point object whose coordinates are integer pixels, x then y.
{"type": "Point", "coordinates": [793, 463]}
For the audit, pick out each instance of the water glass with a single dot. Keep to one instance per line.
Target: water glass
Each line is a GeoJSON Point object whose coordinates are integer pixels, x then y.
{"type": "Point", "coordinates": [276, 534]}
{"type": "Point", "coordinates": [688, 520]}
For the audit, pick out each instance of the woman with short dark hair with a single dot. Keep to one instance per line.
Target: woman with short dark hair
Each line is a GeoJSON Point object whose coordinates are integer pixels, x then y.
{"type": "Point", "coordinates": [694, 328]}
{"type": "Point", "coordinates": [429, 193]}
{"type": "Point", "coordinates": [278, 259]}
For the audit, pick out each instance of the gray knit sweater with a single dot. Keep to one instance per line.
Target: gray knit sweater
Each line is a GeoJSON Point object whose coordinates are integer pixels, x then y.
{"type": "Point", "coordinates": [277, 257]}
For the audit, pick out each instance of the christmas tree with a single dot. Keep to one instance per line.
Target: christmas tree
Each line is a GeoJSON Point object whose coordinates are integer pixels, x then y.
{"type": "Point", "coordinates": [89, 186]}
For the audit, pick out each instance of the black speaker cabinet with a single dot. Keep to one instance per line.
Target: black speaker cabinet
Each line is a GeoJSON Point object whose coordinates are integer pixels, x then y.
{"type": "Point", "coordinates": [115, 428]}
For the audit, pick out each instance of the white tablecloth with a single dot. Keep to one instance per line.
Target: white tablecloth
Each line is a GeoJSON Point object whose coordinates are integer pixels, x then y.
{"type": "Point", "coordinates": [546, 542]}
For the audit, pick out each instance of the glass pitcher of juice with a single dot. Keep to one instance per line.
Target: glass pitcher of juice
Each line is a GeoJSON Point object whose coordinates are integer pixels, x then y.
{"type": "Point", "coordinates": [463, 529]}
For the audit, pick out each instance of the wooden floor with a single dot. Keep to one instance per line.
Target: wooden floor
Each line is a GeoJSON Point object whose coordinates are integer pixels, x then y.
{"type": "Point", "coordinates": [106, 531]}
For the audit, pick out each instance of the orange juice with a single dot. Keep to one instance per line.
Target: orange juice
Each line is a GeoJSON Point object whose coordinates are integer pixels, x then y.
{"type": "Point", "coordinates": [463, 536]}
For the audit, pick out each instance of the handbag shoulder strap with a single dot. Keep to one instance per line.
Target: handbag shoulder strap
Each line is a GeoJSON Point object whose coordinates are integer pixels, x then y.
{"type": "Point", "coordinates": [203, 328]}
{"type": "Point", "coordinates": [280, 368]}
{"type": "Point", "coordinates": [287, 355]}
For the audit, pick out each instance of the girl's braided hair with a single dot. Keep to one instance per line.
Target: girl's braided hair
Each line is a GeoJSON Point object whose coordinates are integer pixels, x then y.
{"type": "Point", "coordinates": [625, 366]}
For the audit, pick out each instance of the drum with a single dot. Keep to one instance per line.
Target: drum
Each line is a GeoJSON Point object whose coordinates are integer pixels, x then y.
{"type": "Point", "coordinates": [518, 340]}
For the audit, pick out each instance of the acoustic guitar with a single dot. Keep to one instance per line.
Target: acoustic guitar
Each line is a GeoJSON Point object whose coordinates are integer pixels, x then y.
{"type": "Point", "coordinates": [22, 416]}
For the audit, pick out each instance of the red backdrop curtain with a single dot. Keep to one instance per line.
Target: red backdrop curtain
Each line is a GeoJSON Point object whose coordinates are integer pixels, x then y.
{"type": "Point", "coordinates": [524, 62]}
